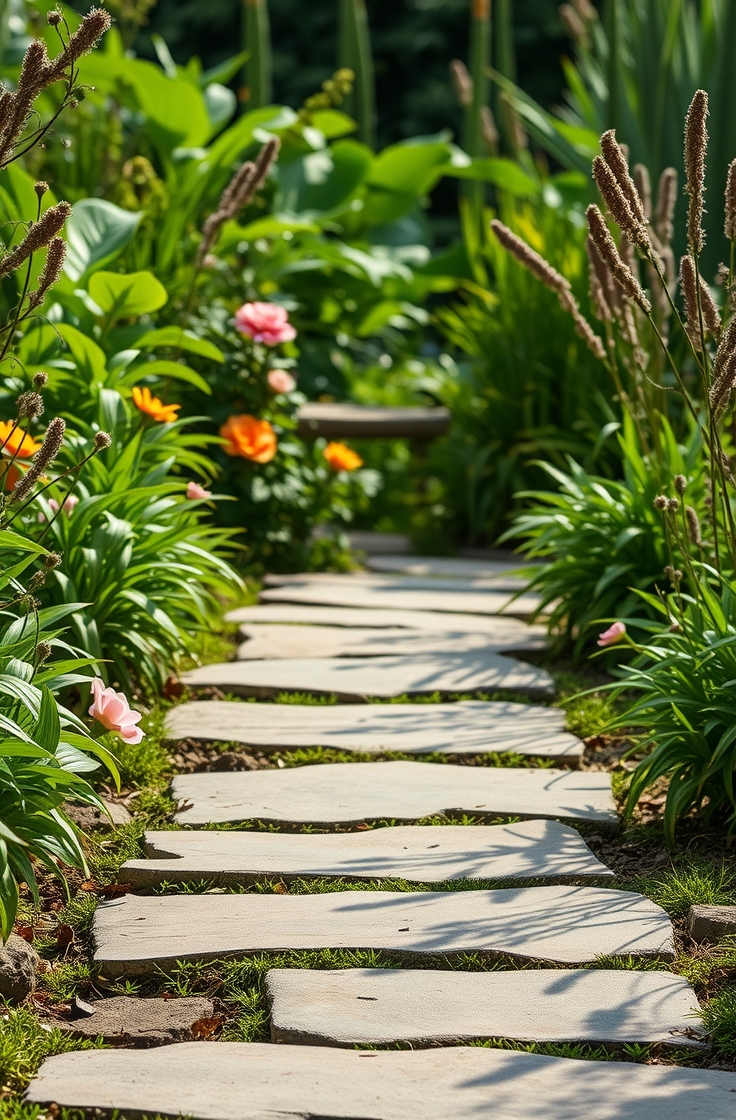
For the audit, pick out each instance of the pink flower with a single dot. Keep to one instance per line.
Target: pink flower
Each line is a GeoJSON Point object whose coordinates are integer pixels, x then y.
{"type": "Point", "coordinates": [612, 635]}
{"type": "Point", "coordinates": [112, 710]}
{"type": "Point", "coordinates": [194, 491]}
{"type": "Point", "coordinates": [264, 322]}
{"type": "Point", "coordinates": [69, 504]}
{"type": "Point", "coordinates": [281, 381]}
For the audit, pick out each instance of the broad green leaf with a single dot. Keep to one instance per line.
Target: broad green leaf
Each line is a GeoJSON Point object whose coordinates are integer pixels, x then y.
{"type": "Point", "coordinates": [96, 233]}
{"type": "Point", "coordinates": [179, 339]}
{"type": "Point", "coordinates": [503, 173]}
{"type": "Point", "coordinates": [162, 368]}
{"type": "Point", "coordinates": [411, 168]}
{"type": "Point", "coordinates": [89, 358]}
{"type": "Point", "coordinates": [122, 295]}
{"type": "Point", "coordinates": [322, 181]}
{"type": "Point", "coordinates": [175, 108]}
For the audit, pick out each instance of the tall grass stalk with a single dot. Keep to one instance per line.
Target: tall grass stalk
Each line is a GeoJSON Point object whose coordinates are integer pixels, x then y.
{"type": "Point", "coordinates": [257, 41]}
{"type": "Point", "coordinates": [354, 53]}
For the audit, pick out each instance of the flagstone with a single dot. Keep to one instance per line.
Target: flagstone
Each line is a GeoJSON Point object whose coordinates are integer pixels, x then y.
{"type": "Point", "coordinates": [504, 579]}
{"type": "Point", "coordinates": [357, 678]}
{"type": "Point", "coordinates": [368, 596]}
{"type": "Point", "coordinates": [453, 567]}
{"type": "Point", "coordinates": [128, 1020]}
{"type": "Point", "coordinates": [268, 641]}
{"type": "Point", "coordinates": [465, 727]}
{"type": "Point", "coordinates": [501, 631]}
{"type": "Point", "coordinates": [347, 793]}
{"type": "Point", "coordinates": [236, 1081]}
{"type": "Point", "coordinates": [571, 925]}
{"type": "Point", "coordinates": [527, 850]}
{"type": "Point", "coordinates": [379, 1007]}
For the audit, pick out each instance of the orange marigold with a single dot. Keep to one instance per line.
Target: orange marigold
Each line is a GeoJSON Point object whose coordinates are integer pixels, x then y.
{"type": "Point", "coordinates": [144, 401]}
{"type": "Point", "coordinates": [249, 438]}
{"type": "Point", "coordinates": [341, 457]}
{"type": "Point", "coordinates": [20, 445]}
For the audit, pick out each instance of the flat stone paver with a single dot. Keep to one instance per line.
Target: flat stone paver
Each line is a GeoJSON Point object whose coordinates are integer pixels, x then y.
{"type": "Point", "coordinates": [502, 580]}
{"type": "Point", "coordinates": [136, 934]}
{"type": "Point", "coordinates": [357, 678]}
{"type": "Point", "coordinates": [369, 597]}
{"type": "Point", "coordinates": [452, 567]}
{"type": "Point", "coordinates": [465, 727]}
{"type": "Point", "coordinates": [378, 1007]}
{"type": "Point", "coordinates": [501, 631]}
{"type": "Point", "coordinates": [267, 641]}
{"type": "Point", "coordinates": [258, 1081]}
{"type": "Point", "coordinates": [711, 923]}
{"type": "Point", "coordinates": [130, 1021]}
{"type": "Point", "coordinates": [524, 851]}
{"type": "Point", "coordinates": [346, 793]}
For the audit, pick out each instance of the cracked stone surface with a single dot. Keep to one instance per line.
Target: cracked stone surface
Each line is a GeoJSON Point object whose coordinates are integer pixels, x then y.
{"type": "Point", "coordinates": [138, 1022]}
{"type": "Point", "coordinates": [369, 596]}
{"type": "Point", "coordinates": [465, 727]}
{"type": "Point", "coordinates": [136, 934]}
{"type": "Point", "coordinates": [500, 630]}
{"type": "Point", "coordinates": [235, 1081]}
{"type": "Point", "coordinates": [266, 640]}
{"type": "Point", "coordinates": [355, 678]}
{"type": "Point", "coordinates": [378, 1006]}
{"type": "Point", "coordinates": [524, 851]}
{"type": "Point", "coordinates": [340, 793]}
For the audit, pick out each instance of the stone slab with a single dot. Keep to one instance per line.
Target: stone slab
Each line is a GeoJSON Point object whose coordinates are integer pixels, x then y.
{"type": "Point", "coordinates": [127, 1020]}
{"type": "Point", "coordinates": [501, 631]}
{"type": "Point", "coordinates": [569, 925]}
{"type": "Point", "coordinates": [343, 420]}
{"type": "Point", "coordinates": [465, 727]}
{"type": "Point", "coordinates": [358, 678]}
{"type": "Point", "coordinates": [266, 641]}
{"type": "Point", "coordinates": [504, 579]}
{"type": "Point", "coordinates": [258, 1081]}
{"type": "Point", "coordinates": [348, 793]}
{"type": "Point", "coordinates": [521, 852]}
{"type": "Point", "coordinates": [710, 923]}
{"type": "Point", "coordinates": [380, 1007]}
{"type": "Point", "coordinates": [369, 597]}
{"type": "Point", "coordinates": [453, 567]}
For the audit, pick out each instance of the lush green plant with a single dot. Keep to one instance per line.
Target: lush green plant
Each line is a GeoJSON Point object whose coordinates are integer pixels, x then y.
{"type": "Point", "coordinates": [601, 540]}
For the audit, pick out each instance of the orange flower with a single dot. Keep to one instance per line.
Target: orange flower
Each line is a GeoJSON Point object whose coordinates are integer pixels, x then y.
{"type": "Point", "coordinates": [144, 401]}
{"type": "Point", "coordinates": [20, 445]}
{"type": "Point", "coordinates": [249, 438]}
{"type": "Point", "coordinates": [341, 457]}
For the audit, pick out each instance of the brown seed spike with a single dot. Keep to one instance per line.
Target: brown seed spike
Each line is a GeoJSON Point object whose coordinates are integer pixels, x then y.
{"type": "Point", "coordinates": [665, 209]}
{"type": "Point", "coordinates": [621, 273]}
{"type": "Point", "coordinates": [618, 163]}
{"type": "Point", "coordinates": [730, 222]}
{"type": "Point", "coordinates": [696, 144]}
{"type": "Point", "coordinates": [462, 82]}
{"type": "Point", "coordinates": [524, 253]}
{"type": "Point", "coordinates": [643, 188]}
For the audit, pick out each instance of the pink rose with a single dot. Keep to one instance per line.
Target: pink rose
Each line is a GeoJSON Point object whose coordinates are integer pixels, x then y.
{"type": "Point", "coordinates": [112, 710]}
{"type": "Point", "coordinates": [281, 381]}
{"type": "Point", "coordinates": [612, 635]}
{"type": "Point", "coordinates": [264, 322]}
{"type": "Point", "coordinates": [69, 504]}
{"type": "Point", "coordinates": [194, 491]}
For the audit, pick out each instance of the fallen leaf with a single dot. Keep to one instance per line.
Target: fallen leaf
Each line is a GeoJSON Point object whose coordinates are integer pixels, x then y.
{"type": "Point", "coordinates": [89, 885]}
{"type": "Point", "coordinates": [114, 890]}
{"type": "Point", "coordinates": [64, 935]}
{"type": "Point", "coordinates": [205, 1028]}
{"type": "Point", "coordinates": [26, 932]}
{"type": "Point", "coordinates": [173, 688]}
{"type": "Point", "coordinates": [281, 888]}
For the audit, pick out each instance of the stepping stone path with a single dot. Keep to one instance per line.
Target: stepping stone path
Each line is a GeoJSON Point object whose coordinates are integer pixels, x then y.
{"type": "Point", "coordinates": [525, 851]}
{"type": "Point", "coordinates": [340, 793]}
{"type": "Point", "coordinates": [237, 1081]}
{"type": "Point", "coordinates": [431, 625]}
{"type": "Point", "coordinates": [137, 934]}
{"type": "Point", "coordinates": [269, 641]}
{"type": "Point", "coordinates": [466, 727]}
{"type": "Point", "coordinates": [357, 678]}
{"type": "Point", "coordinates": [502, 633]}
{"type": "Point", "coordinates": [452, 599]}
{"type": "Point", "coordinates": [380, 1006]}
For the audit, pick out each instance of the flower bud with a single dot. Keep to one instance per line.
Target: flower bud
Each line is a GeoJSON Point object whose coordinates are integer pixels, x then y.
{"type": "Point", "coordinates": [680, 484]}
{"type": "Point", "coordinates": [101, 441]}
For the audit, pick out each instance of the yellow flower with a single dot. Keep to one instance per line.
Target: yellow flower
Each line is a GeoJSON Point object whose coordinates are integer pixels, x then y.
{"type": "Point", "coordinates": [144, 401]}
{"type": "Point", "coordinates": [341, 457]}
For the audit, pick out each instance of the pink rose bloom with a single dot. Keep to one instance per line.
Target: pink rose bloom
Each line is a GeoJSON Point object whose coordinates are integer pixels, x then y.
{"type": "Point", "coordinates": [112, 710]}
{"type": "Point", "coordinates": [281, 381]}
{"type": "Point", "coordinates": [612, 635]}
{"type": "Point", "coordinates": [69, 504]}
{"type": "Point", "coordinates": [264, 322]}
{"type": "Point", "coordinates": [194, 491]}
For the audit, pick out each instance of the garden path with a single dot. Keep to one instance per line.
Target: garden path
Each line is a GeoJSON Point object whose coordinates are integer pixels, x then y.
{"type": "Point", "coordinates": [529, 893]}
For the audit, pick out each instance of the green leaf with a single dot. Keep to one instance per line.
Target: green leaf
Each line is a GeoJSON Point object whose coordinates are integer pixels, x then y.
{"type": "Point", "coordinates": [322, 181]}
{"type": "Point", "coordinates": [411, 168]}
{"type": "Point", "coordinates": [503, 173]}
{"type": "Point", "coordinates": [162, 368]}
{"type": "Point", "coordinates": [176, 110]}
{"type": "Point", "coordinates": [96, 233]}
{"type": "Point", "coordinates": [88, 357]}
{"type": "Point", "coordinates": [179, 339]}
{"type": "Point", "coordinates": [122, 295]}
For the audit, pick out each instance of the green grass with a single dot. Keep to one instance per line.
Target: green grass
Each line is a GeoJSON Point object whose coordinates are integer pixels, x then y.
{"type": "Point", "coordinates": [696, 882]}
{"type": "Point", "coordinates": [24, 1044]}
{"type": "Point", "coordinates": [719, 1018]}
